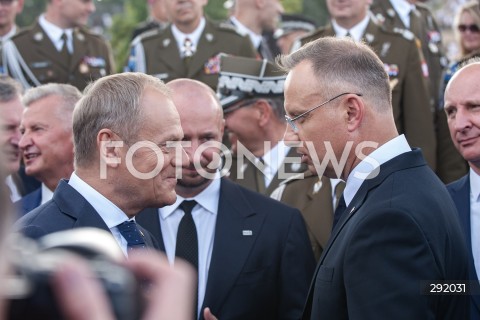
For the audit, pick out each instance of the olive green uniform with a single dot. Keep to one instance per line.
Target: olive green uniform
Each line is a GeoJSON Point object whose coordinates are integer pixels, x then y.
{"type": "Point", "coordinates": [410, 98]}
{"type": "Point", "coordinates": [156, 53]}
{"type": "Point", "coordinates": [450, 164]}
{"type": "Point", "coordinates": [31, 58]}
{"type": "Point", "coordinates": [313, 197]}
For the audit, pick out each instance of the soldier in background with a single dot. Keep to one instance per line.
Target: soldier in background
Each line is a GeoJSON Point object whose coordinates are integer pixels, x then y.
{"type": "Point", "coordinates": [190, 48]}
{"type": "Point", "coordinates": [8, 12]}
{"type": "Point", "coordinates": [402, 60]}
{"type": "Point", "coordinates": [255, 18]}
{"type": "Point", "coordinates": [158, 18]}
{"type": "Point", "coordinates": [414, 16]}
{"type": "Point", "coordinates": [58, 48]}
{"type": "Point", "coordinates": [292, 27]}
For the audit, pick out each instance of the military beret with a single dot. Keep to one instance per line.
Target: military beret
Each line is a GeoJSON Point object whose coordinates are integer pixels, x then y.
{"type": "Point", "coordinates": [293, 22]}
{"type": "Point", "coordinates": [246, 78]}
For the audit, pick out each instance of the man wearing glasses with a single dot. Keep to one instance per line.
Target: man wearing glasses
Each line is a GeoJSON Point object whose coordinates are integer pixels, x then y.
{"type": "Point", "coordinates": [398, 233]}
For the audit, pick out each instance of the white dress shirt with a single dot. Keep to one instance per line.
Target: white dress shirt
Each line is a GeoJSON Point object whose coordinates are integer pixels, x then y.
{"type": "Point", "coordinates": [47, 194]}
{"type": "Point", "coordinates": [255, 38]}
{"type": "Point", "coordinates": [55, 34]}
{"type": "Point", "coordinates": [475, 218]}
{"type": "Point", "coordinates": [356, 32]}
{"type": "Point", "coordinates": [382, 154]}
{"type": "Point", "coordinates": [194, 36]}
{"type": "Point", "coordinates": [14, 193]}
{"type": "Point", "coordinates": [403, 8]}
{"type": "Point", "coordinates": [273, 159]}
{"type": "Point", "coordinates": [205, 216]}
{"type": "Point", "coordinates": [109, 212]}
{"type": "Point", "coordinates": [9, 34]}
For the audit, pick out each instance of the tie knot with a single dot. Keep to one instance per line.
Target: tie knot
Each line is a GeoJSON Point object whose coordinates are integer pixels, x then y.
{"type": "Point", "coordinates": [132, 234]}
{"type": "Point", "coordinates": [64, 37]}
{"type": "Point", "coordinates": [188, 205]}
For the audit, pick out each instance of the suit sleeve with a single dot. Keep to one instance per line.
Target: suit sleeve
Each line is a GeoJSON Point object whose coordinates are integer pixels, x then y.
{"type": "Point", "coordinates": [297, 269]}
{"type": "Point", "coordinates": [417, 114]}
{"type": "Point", "coordinates": [387, 260]}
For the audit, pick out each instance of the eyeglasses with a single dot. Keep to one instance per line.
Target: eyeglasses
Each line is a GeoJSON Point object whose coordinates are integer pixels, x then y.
{"type": "Point", "coordinates": [291, 121]}
{"type": "Point", "coordinates": [473, 28]}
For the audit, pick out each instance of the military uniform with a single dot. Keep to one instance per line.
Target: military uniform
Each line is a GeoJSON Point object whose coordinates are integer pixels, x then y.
{"type": "Point", "coordinates": [410, 99]}
{"type": "Point", "coordinates": [249, 178]}
{"type": "Point", "coordinates": [156, 53]}
{"type": "Point", "coordinates": [31, 58]}
{"type": "Point", "coordinates": [450, 165]}
{"type": "Point", "coordinates": [312, 195]}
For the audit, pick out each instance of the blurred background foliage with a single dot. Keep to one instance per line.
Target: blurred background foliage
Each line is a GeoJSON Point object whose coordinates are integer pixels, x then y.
{"type": "Point", "coordinates": [116, 19]}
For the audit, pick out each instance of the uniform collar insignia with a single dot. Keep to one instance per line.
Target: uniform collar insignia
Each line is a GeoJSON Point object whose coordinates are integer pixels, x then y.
{"type": "Point", "coordinates": [209, 37]}
{"type": "Point", "coordinates": [166, 42]}
{"type": "Point", "coordinates": [369, 37]}
{"type": "Point", "coordinates": [38, 36]}
{"type": "Point", "coordinates": [80, 36]}
{"type": "Point", "coordinates": [391, 13]}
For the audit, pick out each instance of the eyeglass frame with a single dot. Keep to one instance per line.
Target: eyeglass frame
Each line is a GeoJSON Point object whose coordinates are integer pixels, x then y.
{"type": "Point", "coordinates": [291, 121]}
{"type": "Point", "coordinates": [473, 28]}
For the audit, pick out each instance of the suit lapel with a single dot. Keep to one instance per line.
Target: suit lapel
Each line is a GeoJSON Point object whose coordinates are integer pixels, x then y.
{"type": "Point", "coordinates": [236, 230]}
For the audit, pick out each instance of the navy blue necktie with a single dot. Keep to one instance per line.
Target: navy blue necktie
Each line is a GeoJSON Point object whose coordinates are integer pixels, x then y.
{"type": "Point", "coordinates": [134, 237]}
{"type": "Point", "coordinates": [341, 207]}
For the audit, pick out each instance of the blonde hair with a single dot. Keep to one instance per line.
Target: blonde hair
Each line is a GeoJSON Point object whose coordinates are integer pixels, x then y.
{"type": "Point", "coordinates": [472, 8]}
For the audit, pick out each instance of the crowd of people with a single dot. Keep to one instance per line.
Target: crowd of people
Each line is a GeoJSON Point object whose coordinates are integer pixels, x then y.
{"type": "Point", "coordinates": [263, 167]}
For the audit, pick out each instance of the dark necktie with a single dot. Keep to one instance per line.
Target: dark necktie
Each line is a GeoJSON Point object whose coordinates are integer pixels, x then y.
{"type": "Point", "coordinates": [134, 237]}
{"type": "Point", "coordinates": [416, 23]}
{"type": "Point", "coordinates": [340, 206]}
{"type": "Point", "coordinates": [265, 51]}
{"type": "Point", "coordinates": [187, 240]}
{"type": "Point", "coordinates": [259, 176]}
{"type": "Point", "coordinates": [64, 51]}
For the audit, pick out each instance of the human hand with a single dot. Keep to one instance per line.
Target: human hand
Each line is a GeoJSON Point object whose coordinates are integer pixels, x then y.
{"type": "Point", "coordinates": [207, 314]}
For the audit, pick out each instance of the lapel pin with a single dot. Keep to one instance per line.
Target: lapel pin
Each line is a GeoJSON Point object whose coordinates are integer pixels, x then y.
{"type": "Point", "coordinates": [166, 42]}
{"type": "Point", "coordinates": [247, 232]}
{"type": "Point", "coordinates": [353, 209]}
{"type": "Point", "coordinates": [391, 12]}
{"type": "Point", "coordinates": [317, 186]}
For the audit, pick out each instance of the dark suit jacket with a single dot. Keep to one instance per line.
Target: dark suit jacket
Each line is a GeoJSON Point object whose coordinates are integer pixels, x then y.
{"type": "Point", "coordinates": [68, 209]}
{"type": "Point", "coordinates": [460, 192]}
{"type": "Point", "coordinates": [264, 276]}
{"type": "Point", "coordinates": [29, 202]}
{"type": "Point", "coordinates": [399, 230]}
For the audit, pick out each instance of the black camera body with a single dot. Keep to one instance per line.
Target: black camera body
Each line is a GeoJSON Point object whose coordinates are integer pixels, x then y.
{"type": "Point", "coordinates": [29, 288]}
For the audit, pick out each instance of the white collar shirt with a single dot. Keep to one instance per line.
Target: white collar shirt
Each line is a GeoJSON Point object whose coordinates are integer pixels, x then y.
{"type": "Point", "coordinates": [194, 36]}
{"type": "Point", "coordinates": [9, 34]}
{"type": "Point", "coordinates": [475, 218]}
{"type": "Point", "coordinates": [205, 216]}
{"type": "Point", "coordinates": [14, 192]}
{"type": "Point", "coordinates": [108, 211]}
{"type": "Point", "coordinates": [47, 194]}
{"type": "Point", "coordinates": [255, 38]}
{"type": "Point", "coordinates": [356, 32]}
{"type": "Point", "coordinates": [55, 34]}
{"type": "Point", "coordinates": [403, 9]}
{"type": "Point", "coordinates": [382, 154]}
{"type": "Point", "coordinates": [273, 160]}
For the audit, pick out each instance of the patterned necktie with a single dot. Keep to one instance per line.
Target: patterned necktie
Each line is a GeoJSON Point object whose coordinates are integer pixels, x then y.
{"type": "Point", "coordinates": [134, 237]}
{"type": "Point", "coordinates": [187, 240]}
{"type": "Point", "coordinates": [340, 204]}
{"type": "Point", "coordinates": [187, 50]}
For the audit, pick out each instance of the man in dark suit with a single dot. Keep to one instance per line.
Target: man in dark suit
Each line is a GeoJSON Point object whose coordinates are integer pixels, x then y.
{"type": "Point", "coordinates": [58, 48]}
{"type": "Point", "coordinates": [461, 99]}
{"type": "Point", "coordinates": [398, 228]}
{"type": "Point", "coordinates": [189, 48]}
{"type": "Point", "coordinates": [47, 117]}
{"type": "Point", "coordinates": [252, 253]}
{"type": "Point", "coordinates": [119, 171]}
{"type": "Point", "coordinates": [402, 61]}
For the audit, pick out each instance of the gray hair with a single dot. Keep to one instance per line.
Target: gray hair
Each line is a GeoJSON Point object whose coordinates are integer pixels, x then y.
{"type": "Point", "coordinates": [111, 102]}
{"type": "Point", "coordinates": [342, 65]}
{"type": "Point", "coordinates": [9, 89]}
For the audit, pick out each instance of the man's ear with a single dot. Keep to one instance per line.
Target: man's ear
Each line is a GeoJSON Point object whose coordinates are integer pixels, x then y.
{"type": "Point", "coordinates": [355, 112]}
{"type": "Point", "coordinates": [265, 111]}
{"type": "Point", "coordinates": [109, 145]}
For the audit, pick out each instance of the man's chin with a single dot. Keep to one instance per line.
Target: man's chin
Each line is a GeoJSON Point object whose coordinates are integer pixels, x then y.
{"type": "Point", "coordinates": [187, 182]}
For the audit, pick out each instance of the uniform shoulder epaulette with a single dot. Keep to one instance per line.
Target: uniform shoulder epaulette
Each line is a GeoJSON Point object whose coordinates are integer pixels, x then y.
{"type": "Point", "coordinates": [225, 26]}
{"type": "Point", "coordinates": [315, 34]}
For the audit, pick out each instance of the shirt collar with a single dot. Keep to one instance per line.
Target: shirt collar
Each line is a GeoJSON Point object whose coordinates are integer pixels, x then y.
{"type": "Point", "coordinates": [474, 184]}
{"type": "Point", "coordinates": [403, 8]}
{"type": "Point", "coordinates": [274, 157]}
{"type": "Point", "coordinates": [356, 32]}
{"type": "Point", "coordinates": [255, 38]}
{"type": "Point", "coordinates": [382, 154]}
{"type": "Point", "coordinates": [47, 194]}
{"type": "Point", "coordinates": [208, 199]}
{"type": "Point", "coordinates": [54, 32]}
{"type": "Point", "coordinates": [108, 211]}
{"type": "Point", "coordinates": [9, 34]}
{"type": "Point", "coordinates": [194, 36]}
